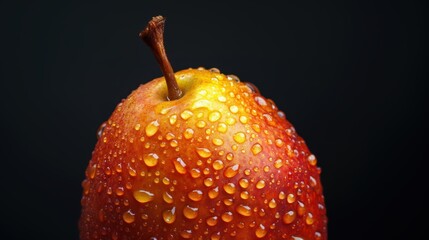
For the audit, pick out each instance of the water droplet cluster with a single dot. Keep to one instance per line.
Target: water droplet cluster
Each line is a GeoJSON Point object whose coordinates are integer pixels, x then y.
{"type": "Point", "coordinates": [221, 162]}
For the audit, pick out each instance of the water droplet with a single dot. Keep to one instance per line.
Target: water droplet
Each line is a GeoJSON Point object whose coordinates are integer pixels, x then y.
{"type": "Point", "coordinates": [173, 119]}
{"type": "Point", "coordinates": [272, 203]}
{"type": "Point", "coordinates": [279, 142]}
{"type": "Point", "coordinates": [100, 130]}
{"type": "Point", "coordinates": [215, 236]}
{"type": "Point", "coordinates": [201, 124]}
{"type": "Point", "coordinates": [260, 101]}
{"type": "Point", "coordinates": [91, 171]}
{"type": "Point", "coordinates": [195, 195]}
{"type": "Point", "coordinates": [166, 180]}
{"type": "Point", "coordinates": [195, 173]}
{"type": "Point", "coordinates": [208, 182]}
{"type": "Point", "coordinates": [214, 70]}
{"type": "Point", "coordinates": [152, 128]}
{"type": "Point", "coordinates": [239, 137]}
{"type": "Point", "coordinates": [244, 210]}
{"type": "Point", "coordinates": [180, 165]}
{"type": "Point", "coordinates": [211, 221]}
{"type": "Point", "coordinates": [318, 235]}
{"type": "Point", "coordinates": [190, 212]}
{"type": "Point", "coordinates": [289, 217]}
{"type": "Point", "coordinates": [243, 119]}
{"type": "Point", "coordinates": [186, 234]}
{"type": "Point", "coordinates": [309, 220]}
{"type": "Point", "coordinates": [252, 87]}
{"type": "Point", "coordinates": [128, 216]}
{"type": "Point", "coordinates": [313, 181]}
{"type": "Point", "coordinates": [169, 215]}
{"type": "Point", "coordinates": [217, 141]}
{"type": "Point", "coordinates": [312, 160]}
{"type": "Point", "coordinates": [119, 191]}
{"type": "Point", "coordinates": [282, 195]}
{"type": "Point", "coordinates": [244, 195]}
{"type": "Point", "coordinates": [143, 196]}
{"type": "Point", "coordinates": [260, 232]}
{"type": "Point", "coordinates": [229, 156]}
{"type": "Point", "coordinates": [233, 109]}
{"type": "Point", "coordinates": [221, 98]}
{"type": "Point", "coordinates": [213, 193]}
{"type": "Point", "coordinates": [291, 198]}
{"type": "Point", "coordinates": [231, 171]}
{"type": "Point", "coordinates": [214, 116]}
{"type": "Point", "coordinates": [202, 103]}
{"type": "Point", "coordinates": [86, 185]}
{"type": "Point", "coordinates": [151, 160]}
{"type": "Point", "coordinates": [218, 165]}
{"type": "Point", "coordinates": [137, 126]}
{"type": "Point", "coordinates": [260, 184]}
{"type": "Point", "coordinates": [229, 188]}
{"type": "Point", "coordinates": [244, 183]}
{"type": "Point", "coordinates": [222, 127]}
{"type": "Point", "coordinates": [278, 163]}
{"type": "Point", "coordinates": [167, 197]}
{"type": "Point", "coordinates": [185, 115]}
{"type": "Point", "coordinates": [301, 208]}
{"type": "Point", "coordinates": [204, 152]}
{"type": "Point", "coordinates": [230, 121]}
{"type": "Point", "coordinates": [256, 127]}
{"type": "Point", "coordinates": [188, 133]}
{"type": "Point", "coordinates": [105, 139]}
{"type": "Point", "coordinates": [227, 217]}
{"type": "Point", "coordinates": [256, 148]}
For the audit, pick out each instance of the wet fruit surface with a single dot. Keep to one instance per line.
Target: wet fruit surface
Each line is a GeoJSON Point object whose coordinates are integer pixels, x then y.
{"type": "Point", "coordinates": [221, 162]}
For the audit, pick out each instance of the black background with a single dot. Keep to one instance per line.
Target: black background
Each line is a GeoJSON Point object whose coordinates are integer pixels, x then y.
{"type": "Point", "coordinates": [350, 77]}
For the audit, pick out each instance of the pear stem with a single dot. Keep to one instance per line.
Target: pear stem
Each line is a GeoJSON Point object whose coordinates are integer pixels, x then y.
{"type": "Point", "coordinates": [153, 36]}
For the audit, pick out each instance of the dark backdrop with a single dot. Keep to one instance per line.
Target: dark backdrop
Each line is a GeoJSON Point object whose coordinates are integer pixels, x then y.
{"type": "Point", "coordinates": [349, 76]}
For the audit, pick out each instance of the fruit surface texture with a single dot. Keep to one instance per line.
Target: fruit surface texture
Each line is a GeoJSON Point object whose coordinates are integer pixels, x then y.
{"type": "Point", "coordinates": [220, 162]}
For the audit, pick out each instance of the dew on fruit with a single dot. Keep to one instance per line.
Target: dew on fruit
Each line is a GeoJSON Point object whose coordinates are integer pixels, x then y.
{"type": "Point", "coordinates": [202, 103]}
{"type": "Point", "coordinates": [174, 143]}
{"type": "Point", "coordinates": [228, 201]}
{"type": "Point", "coordinates": [244, 210]}
{"type": "Point", "coordinates": [231, 171]}
{"type": "Point", "coordinates": [86, 185]}
{"type": "Point", "coordinates": [243, 119]}
{"type": "Point", "coordinates": [169, 215]}
{"type": "Point", "coordinates": [190, 212]}
{"type": "Point", "coordinates": [217, 141]}
{"type": "Point", "coordinates": [204, 152]}
{"type": "Point", "coordinates": [167, 197]}
{"type": "Point", "coordinates": [222, 127]}
{"type": "Point", "coordinates": [91, 171]}
{"type": "Point", "coordinates": [229, 156]}
{"type": "Point", "coordinates": [128, 216]}
{"type": "Point", "coordinates": [230, 121]}
{"type": "Point", "coordinates": [244, 195]}
{"type": "Point", "coordinates": [256, 148]}
{"type": "Point", "coordinates": [282, 195]}
{"type": "Point", "coordinates": [278, 163]}
{"type": "Point", "coordinates": [291, 198]}
{"type": "Point", "coordinates": [229, 188]}
{"type": "Point", "coordinates": [152, 128]}
{"type": "Point", "coordinates": [208, 182]}
{"type": "Point", "coordinates": [260, 184]}
{"type": "Point", "coordinates": [188, 133]}
{"type": "Point", "coordinates": [214, 70]}
{"type": "Point", "coordinates": [218, 165]}
{"type": "Point", "coordinates": [201, 124]}
{"type": "Point", "coordinates": [313, 181]}
{"type": "Point", "coordinates": [166, 181]}
{"type": "Point", "coordinates": [195, 195]}
{"type": "Point", "coordinates": [213, 193]}
{"type": "Point", "coordinates": [186, 234]}
{"type": "Point", "coordinates": [214, 116]}
{"type": "Point", "coordinates": [215, 236]}
{"type": "Point", "coordinates": [195, 173]}
{"type": "Point", "coordinates": [221, 98]}
{"type": "Point", "coordinates": [260, 232]}
{"type": "Point", "coordinates": [279, 142]}
{"type": "Point", "coordinates": [272, 203]}
{"type": "Point", "coordinates": [243, 182]}
{"type": "Point", "coordinates": [211, 221]}
{"type": "Point", "coordinates": [266, 169]}
{"type": "Point", "coordinates": [239, 137]}
{"type": "Point", "coordinates": [119, 191]}
{"type": "Point", "coordinates": [233, 109]}
{"type": "Point", "coordinates": [151, 159]}
{"type": "Point", "coordinates": [256, 127]}
{"type": "Point", "coordinates": [233, 77]}
{"type": "Point", "coordinates": [180, 165]}
{"type": "Point", "coordinates": [172, 119]}
{"type": "Point", "coordinates": [317, 235]}
{"type": "Point", "coordinates": [101, 130]}
{"type": "Point", "coordinates": [143, 196]}
{"type": "Point", "coordinates": [312, 160]}
{"type": "Point", "coordinates": [186, 114]}
{"type": "Point", "coordinates": [309, 220]}
{"type": "Point", "coordinates": [301, 208]}
{"type": "Point", "coordinates": [252, 87]}
{"type": "Point", "coordinates": [260, 101]}
{"type": "Point", "coordinates": [289, 217]}
{"type": "Point", "coordinates": [227, 217]}
{"type": "Point", "coordinates": [137, 126]}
